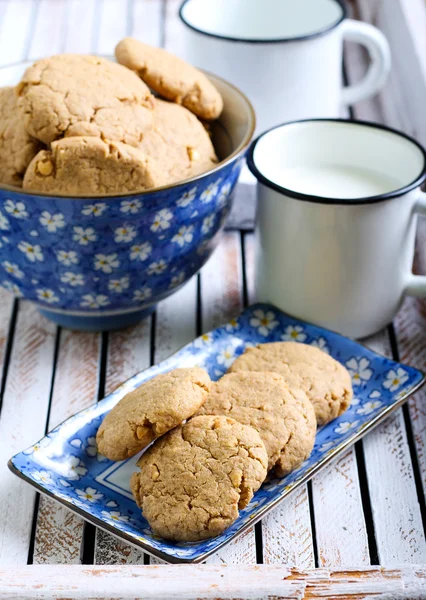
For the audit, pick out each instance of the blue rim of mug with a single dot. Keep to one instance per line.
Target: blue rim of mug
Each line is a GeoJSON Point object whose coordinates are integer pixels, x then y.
{"type": "Point", "coordinates": [421, 178]}
{"type": "Point", "coordinates": [297, 38]}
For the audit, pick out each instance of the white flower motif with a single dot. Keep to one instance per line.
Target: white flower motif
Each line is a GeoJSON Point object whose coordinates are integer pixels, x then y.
{"type": "Point", "coordinates": [130, 206]}
{"type": "Point", "coordinates": [345, 426]}
{"type": "Point", "coordinates": [184, 235]}
{"type": "Point", "coordinates": [84, 236]}
{"type": "Point", "coordinates": [187, 197]}
{"type": "Point", "coordinates": [375, 394]}
{"type": "Point", "coordinates": [140, 251]}
{"type": "Point", "coordinates": [12, 269]}
{"type": "Point", "coordinates": [13, 288]}
{"type": "Point", "coordinates": [158, 267]}
{"type": "Point", "coordinates": [233, 325]}
{"type": "Point", "coordinates": [89, 494]}
{"type": "Point", "coordinates": [369, 407]}
{"type": "Point", "coordinates": [224, 193]}
{"type": "Point", "coordinates": [114, 516]}
{"type": "Point", "coordinates": [208, 223]}
{"type": "Point", "coordinates": [48, 296]}
{"type": "Point", "coordinates": [52, 222]}
{"type": "Point", "coordinates": [77, 468]}
{"type": "Point", "coordinates": [43, 476]}
{"type": "Point", "coordinates": [16, 209]}
{"type": "Point", "coordinates": [177, 280]}
{"type": "Point", "coordinates": [359, 370]}
{"type": "Point", "coordinates": [40, 445]}
{"type": "Point", "coordinates": [321, 344]}
{"type": "Point", "coordinates": [226, 357]}
{"type": "Point", "coordinates": [118, 285]}
{"type": "Point", "coordinates": [92, 450]}
{"type": "Point", "coordinates": [96, 209]}
{"type": "Point", "coordinates": [4, 222]}
{"type": "Point", "coordinates": [326, 446]}
{"type": "Point", "coordinates": [201, 341]}
{"type": "Point", "coordinates": [395, 378]}
{"type": "Point", "coordinates": [210, 192]}
{"type": "Point", "coordinates": [294, 333]}
{"type": "Point", "coordinates": [162, 220]}
{"type": "Point", "coordinates": [73, 279]}
{"type": "Point", "coordinates": [32, 251]}
{"type": "Point", "coordinates": [142, 294]}
{"type": "Point", "coordinates": [94, 301]}
{"type": "Point", "coordinates": [67, 258]}
{"type": "Point", "coordinates": [125, 233]}
{"type": "Point", "coordinates": [106, 262]}
{"type": "Point", "coordinates": [263, 321]}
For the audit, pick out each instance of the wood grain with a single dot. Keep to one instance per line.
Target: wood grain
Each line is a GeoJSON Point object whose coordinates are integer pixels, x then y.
{"type": "Point", "coordinates": [22, 423]}
{"type": "Point", "coordinates": [199, 582]}
{"type": "Point", "coordinates": [286, 531]}
{"type": "Point", "coordinates": [59, 532]}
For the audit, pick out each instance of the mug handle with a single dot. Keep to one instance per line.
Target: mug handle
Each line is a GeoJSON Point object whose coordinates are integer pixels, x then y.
{"type": "Point", "coordinates": [380, 56]}
{"type": "Point", "coordinates": [416, 285]}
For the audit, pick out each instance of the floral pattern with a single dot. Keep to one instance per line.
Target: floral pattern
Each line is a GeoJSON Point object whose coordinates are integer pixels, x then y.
{"type": "Point", "coordinates": [66, 462]}
{"type": "Point", "coordinates": [77, 247]}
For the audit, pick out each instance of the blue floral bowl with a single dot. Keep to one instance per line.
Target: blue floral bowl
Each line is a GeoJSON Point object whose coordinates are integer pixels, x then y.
{"type": "Point", "coordinates": [100, 263]}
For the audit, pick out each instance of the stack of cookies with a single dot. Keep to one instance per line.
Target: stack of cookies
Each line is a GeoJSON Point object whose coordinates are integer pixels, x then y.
{"type": "Point", "coordinates": [84, 125]}
{"type": "Point", "coordinates": [261, 416]}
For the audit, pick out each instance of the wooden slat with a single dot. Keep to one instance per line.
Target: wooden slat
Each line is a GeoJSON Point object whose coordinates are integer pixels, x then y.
{"type": "Point", "coordinates": [128, 353]}
{"type": "Point", "coordinates": [15, 30]}
{"type": "Point", "coordinates": [113, 25]}
{"type": "Point", "coordinates": [6, 307]}
{"type": "Point", "coordinates": [201, 582]}
{"type": "Point", "coordinates": [79, 32]}
{"type": "Point", "coordinates": [59, 532]}
{"type": "Point", "coordinates": [146, 21]}
{"type": "Point", "coordinates": [221, 300]}
{"type": "Point", "coordinates": [23, 421]}
{"type": "Point", "coordinates": [396, 513]}
{"type": "Point", "coordinates": [45, 39]}
{"type": "Point", "coordinates": [286, 531]}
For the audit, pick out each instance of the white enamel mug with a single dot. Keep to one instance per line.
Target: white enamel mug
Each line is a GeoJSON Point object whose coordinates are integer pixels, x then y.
{"type": "Point", "coordinates": [337, 210]}
{"type": "Point", "coordinates": [286, 55]}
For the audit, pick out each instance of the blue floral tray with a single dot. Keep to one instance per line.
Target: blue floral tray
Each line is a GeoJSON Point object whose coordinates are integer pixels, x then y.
{"type": "Point", "coordinates": [66, 466]}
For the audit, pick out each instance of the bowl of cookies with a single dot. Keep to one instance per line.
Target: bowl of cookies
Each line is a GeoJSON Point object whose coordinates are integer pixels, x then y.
{"type": "Point", "coordinates": [116, 179]}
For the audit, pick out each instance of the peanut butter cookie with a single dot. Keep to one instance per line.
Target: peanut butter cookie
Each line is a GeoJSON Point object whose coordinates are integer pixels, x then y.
{"type": "Point", "coordinates": [151, 410]}
{"type": "Point", "coordinates": [75, 95]}
{"type": "Point", "coordinates": [179, 142]}
{"type": "Point", "coordinates": [326, 382]}
{"type": "Point", "coordinates": [90, 166]}
{"type": "Point", "coordinates": [194, 480]}
{"type": "Point", "coordinates": [283, 416]}
{"type": "Point", "coordinates": [171, 77]}
{"type": "Point", "coordinates": [17, 148]}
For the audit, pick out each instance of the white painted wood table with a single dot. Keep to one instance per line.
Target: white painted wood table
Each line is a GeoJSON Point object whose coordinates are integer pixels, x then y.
{"type": "Point", "coordinates": [367, 508]}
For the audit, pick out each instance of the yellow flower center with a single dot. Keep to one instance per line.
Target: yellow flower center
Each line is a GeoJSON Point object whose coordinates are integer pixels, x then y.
{"type": "Point", "coordinates": [395, 381]}
{"type": "Point", "coordinates": [264, 321]}
{"type": "Point", "coordinates": [294, 334]}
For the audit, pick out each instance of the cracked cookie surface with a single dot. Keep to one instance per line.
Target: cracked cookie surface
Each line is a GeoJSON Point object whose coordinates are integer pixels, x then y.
{"type": "Point", "coordinates": [88, 165]}
{"type": "Point", "coordinates": [171, 77]}
{"type": "Point", "coordinates": [75, 95]}
{"type": "Point", "coordinates": [158, 405]}
{"type": "Point", "coordinates": [194, 480]}
{"type": "Point", "coordinates": [324, 380]}
{"type": "Point", "coordinates": [17, 148]}
{"type": "Point", "coordinates": [284, 417]}
{"type": "Point", "coordinates": [179, 142]}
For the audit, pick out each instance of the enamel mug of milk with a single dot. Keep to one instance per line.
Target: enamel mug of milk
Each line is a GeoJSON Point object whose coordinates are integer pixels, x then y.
{"type": "Point", "coordinates": [337, 210]}
{"type": "Point", "coordinates": [286, 55]}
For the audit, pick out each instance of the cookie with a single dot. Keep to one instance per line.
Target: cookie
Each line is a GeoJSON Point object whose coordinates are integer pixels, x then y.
{"type": "Point", "coordinates": [326, 382]}
{"type": "Point", "coordinates": [179, 142]}
{"type": "Point", "coordinates": [171, 77]}
{"type": "Point", "coordinates": [151, 410]}
{"type": "Point", "coordinates": [75, 95]}
{"type": "Point", "coordinates": [90, 166]}
{"type": "Point", "coordinates": [17, 148]}
{"type": "Point", "coordinates": [283, 416]}
{"type": "Point", "coordinates": [194, 480]}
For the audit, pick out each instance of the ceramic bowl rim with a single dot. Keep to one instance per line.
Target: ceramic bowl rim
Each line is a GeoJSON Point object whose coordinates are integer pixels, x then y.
{"type": "Point", "coordinates": [239, 150]}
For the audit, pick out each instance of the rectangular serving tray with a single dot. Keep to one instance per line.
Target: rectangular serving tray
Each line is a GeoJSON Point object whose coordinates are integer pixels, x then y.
{"type": "Point", "coordinates": [65, 464]}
